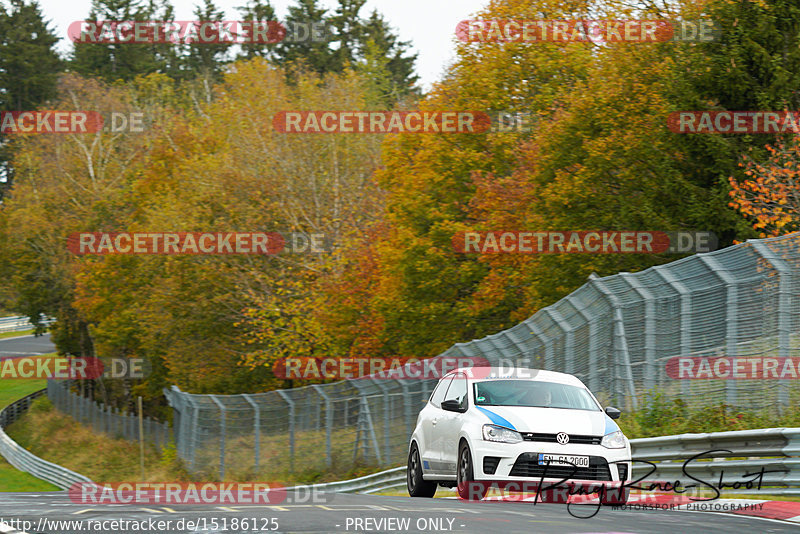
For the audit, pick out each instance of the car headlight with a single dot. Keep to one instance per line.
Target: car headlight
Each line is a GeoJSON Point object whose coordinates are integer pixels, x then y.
{"type": "Point", "coordinates": [615, 440]}
{"type": "Point", "coordinates": [500, 434]}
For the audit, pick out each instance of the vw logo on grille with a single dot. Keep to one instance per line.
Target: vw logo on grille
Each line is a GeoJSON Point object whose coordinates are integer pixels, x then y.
{"type": "Point", "coordinates": [562, 438]}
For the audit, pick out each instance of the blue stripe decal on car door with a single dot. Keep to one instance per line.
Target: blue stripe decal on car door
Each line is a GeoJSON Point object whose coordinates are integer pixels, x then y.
{"type": "Point", "coordinates": [496, 419]}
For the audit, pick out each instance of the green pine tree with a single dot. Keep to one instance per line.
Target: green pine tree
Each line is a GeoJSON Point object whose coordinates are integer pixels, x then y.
{"type": "Point", "coordinates": [257, 11]}
{"type": "Point", "coordinates": [114, 61]}
{"type": "Point", "coordinates": [207, 60]}
{"type": "Point", "coordinates": [315, 54]}
{"type": "Point", "coordinates": [29, 67]}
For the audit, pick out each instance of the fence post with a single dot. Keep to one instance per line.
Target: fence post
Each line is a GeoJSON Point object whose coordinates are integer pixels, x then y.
{"type": "Point", "coordinates": [290, 402]}
{"type": "Point", "coordinates": [649, 328]}
{"type": "Point", "coordinates": [328, 422]}
{"type": "Point", "coordinates": [387, 423]}
{"type": "Point", "coordinates": [365, 426]}
{"type": "Point", "coordinates": [407, 413]}
{"type": "Point", "coordinates": [686, 314]}
{"type": "Point", "coordinates": [731, 311]}
{"type": "Point", "coordinates": [620, 339]}
{"type": "Point", "coordinates": [256, 428]}
{"type": "Point", "coordinates": [784, 311]}
{"type": "Point", "coordinates": [221, 437]}
{"type": "Point", "coordinates": [569, 352]}
{"type": "Point", "coordinates": [194, 429]}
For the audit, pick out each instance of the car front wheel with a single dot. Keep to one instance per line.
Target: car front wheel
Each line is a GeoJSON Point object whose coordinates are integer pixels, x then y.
{"type": "Point", "coordinates": [417, 486]}
{"type": "Point", "coordinates": [467, 488]}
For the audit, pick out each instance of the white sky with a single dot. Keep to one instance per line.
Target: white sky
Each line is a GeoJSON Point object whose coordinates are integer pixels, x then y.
{"type": "Point", "coordinates": [428, 24]}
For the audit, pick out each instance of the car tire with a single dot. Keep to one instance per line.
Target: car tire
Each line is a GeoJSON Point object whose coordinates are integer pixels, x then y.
{"type": "Point", "coordinates": [417, 486]}
{"type": "Point", "coordinates": [465, 475]}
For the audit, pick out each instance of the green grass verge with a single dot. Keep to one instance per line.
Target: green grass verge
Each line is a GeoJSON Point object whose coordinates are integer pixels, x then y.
{"type": "Point", "coordinates": [19, 333]}
{"type": "Point", "coordinates": [58, 438]}
{"type": "Point", "coordinates": [12, 479]}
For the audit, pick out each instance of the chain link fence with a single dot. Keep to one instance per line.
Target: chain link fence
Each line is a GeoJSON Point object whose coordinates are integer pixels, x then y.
{"type": "Point", "coordinates": [615, 333]}
{"type": "Point", "coordinates": [105, 419]}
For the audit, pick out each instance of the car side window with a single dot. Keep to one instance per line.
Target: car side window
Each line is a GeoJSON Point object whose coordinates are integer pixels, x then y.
{"type": "Point", "coordinates": [438, 394]}
{"type": "Point", "coordinates": [458, 390]}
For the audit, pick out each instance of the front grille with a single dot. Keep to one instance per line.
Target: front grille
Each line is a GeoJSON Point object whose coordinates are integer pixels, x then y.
{"type": "Point", "coordinates": [527, 465]}
{"type": "Point", "coordinates": [551, 438]}
{"type": "Point", "coordinates": [623, 471]}
{"type": "Point", "coordinates": [490, 464]}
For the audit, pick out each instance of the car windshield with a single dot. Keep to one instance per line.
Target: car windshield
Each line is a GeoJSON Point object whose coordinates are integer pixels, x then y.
{"type": "Point", "coordinates": [533, 393]}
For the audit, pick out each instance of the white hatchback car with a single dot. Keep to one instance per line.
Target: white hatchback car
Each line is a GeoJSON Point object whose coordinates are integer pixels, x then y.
{"type": "Point", "coordinates": [480, 425]}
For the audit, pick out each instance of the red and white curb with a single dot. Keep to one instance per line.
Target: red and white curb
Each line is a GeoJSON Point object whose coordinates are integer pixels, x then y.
{"type": "Point", "coordinates": [780, 510]}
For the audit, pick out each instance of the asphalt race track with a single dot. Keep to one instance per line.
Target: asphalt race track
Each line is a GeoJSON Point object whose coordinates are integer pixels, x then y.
{"type": "Point", "coordinates": [341, 512]}
{"type": "Point", "coordinates": [29, 345]}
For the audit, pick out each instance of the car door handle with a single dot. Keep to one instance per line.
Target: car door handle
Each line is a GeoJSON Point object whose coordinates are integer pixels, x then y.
{"type": "Point", "coordinates": [433, 422]}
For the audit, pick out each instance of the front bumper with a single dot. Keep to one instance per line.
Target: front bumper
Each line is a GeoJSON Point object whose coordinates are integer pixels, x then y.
{"type": "Point", "coordinates": [509, 454]}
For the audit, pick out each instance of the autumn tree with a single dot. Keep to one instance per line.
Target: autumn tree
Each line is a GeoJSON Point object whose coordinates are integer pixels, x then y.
{"type": "Point", "coordinates": [770, 195]}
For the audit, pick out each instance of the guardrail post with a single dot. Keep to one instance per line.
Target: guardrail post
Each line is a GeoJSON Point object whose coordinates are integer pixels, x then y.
{"type": "Point", "coordinates": [328, 422]}
{"type": "Point", "coordinates": [221, 437]}
{"type": "Point", "coordinates": [290, 402]}
{"type": "Point", "coordinates": [256, 428]}
{"type": "Point", "coordinates": [784, 311]}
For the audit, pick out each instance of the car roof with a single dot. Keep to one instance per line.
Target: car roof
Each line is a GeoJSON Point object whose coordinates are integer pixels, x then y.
{"type": "Point", "coordinates": [476, 374]}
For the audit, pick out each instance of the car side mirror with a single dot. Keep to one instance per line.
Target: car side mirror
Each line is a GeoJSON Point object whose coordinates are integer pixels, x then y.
{"type": "Point", "coordinates": [452, 405]}
{"type": "Point", "coordinates": [613, 413]}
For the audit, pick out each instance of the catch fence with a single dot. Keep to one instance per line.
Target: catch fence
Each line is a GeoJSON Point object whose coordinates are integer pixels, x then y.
{"type": "Point", "coordinates": [105, 419]}
{"type": "Point", "coordinates": [620, 334]}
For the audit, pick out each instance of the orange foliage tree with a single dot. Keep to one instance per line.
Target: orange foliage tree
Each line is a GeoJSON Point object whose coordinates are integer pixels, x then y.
{"type": "Point", "coordinates": [770, 196]}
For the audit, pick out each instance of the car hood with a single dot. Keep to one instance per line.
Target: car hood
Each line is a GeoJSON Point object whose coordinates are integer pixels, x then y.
{"type": "Point", "coordinates": [549, 420]}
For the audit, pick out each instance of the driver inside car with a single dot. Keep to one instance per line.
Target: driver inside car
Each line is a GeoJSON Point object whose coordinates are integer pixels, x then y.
{"type": "Point", "coordinates": [538, 397]}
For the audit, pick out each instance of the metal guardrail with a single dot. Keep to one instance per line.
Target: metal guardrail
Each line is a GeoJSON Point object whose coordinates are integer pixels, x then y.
{"type": "Point", "coordinates": [774, 449]}
{"type": "Point", "coordinates": [391, 478]}
{"type": "Point", "coordinates": [26, 461]}
{"type": "Point", "coordinates": [14, 324]}
{"type": "Point", "coordinates": [18, 323]}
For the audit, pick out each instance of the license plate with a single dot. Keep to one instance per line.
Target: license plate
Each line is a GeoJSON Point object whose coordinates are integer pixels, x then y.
{"type": "Point", "coordinates": [564, 459]}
